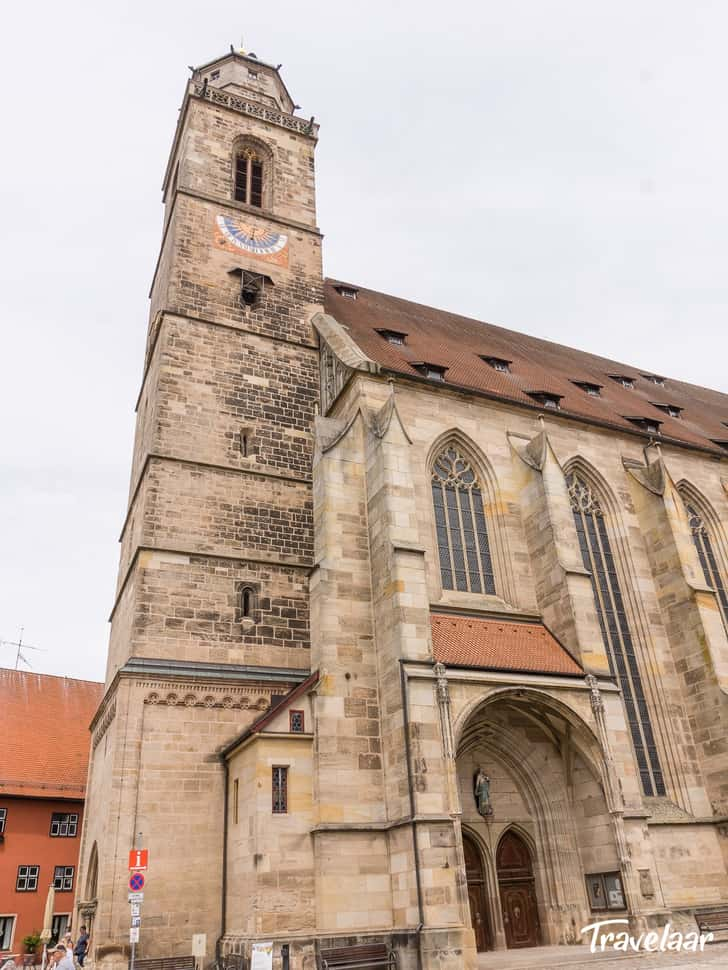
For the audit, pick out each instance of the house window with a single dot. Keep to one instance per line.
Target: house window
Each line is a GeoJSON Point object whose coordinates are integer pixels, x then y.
{"type": "Point", "coordinates": [594, 390]}
{"type": "Point", "coordinates": [27, 881]}
{"type": "Point", "coordinates": [393, 337]}
{"type": "Point", "coordinates": [251, 73]}
{"type": "Point", "coordinates": [624, 380]}
{"type": "Point", "coordinates": [546, 399]}
{"type": "Point", "coordinates": [596, 554]}
{"type": "Point", "coordinates": [605, 891]}
{"type": "Point", "coordinates": [280, 790]}
{"type": "Point", "coordinates": [350, 292]}
{"type": "Point", "coordinates": [295, 722]}
{"type": "Point", "coordinates": [214, 75]}
{"type": "Point", "coordinates": [63, 825]}
{"type": "Point", "coordinates": [462, 536]}
{"type": "Point", "coordinates": [249, 177]}
{"type": "Point", "coordinates": [645, 424]}
{"type": "Point", "coordinates": [6, 932]}
{"type": "Point", "coordinates": [655, 379]}
{"type": "Point", "coordinates": [3, 819]}
{"type": "Point", "coordinates": [498, 363]}
{"type": "Point", "coordinates": [63, 879]}
{"type": "Point", "coordinates": [59, 926]}
{"type": "Point", "coordinates": [433, 372]}
{"type": "Point", "coordinates": [708, 561]}
{"type": "Point", "coordinates": [235, 801]}
{"type": "Point", "coordinates": [672, 409]}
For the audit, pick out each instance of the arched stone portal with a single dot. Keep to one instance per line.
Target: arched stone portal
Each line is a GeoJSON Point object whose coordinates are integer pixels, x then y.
{"type": "Point", "coordinates": [546, 826]}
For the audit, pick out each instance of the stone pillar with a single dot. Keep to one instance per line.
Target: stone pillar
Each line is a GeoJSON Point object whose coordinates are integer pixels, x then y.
{"type": "Point", "coordinates": [695, 631]}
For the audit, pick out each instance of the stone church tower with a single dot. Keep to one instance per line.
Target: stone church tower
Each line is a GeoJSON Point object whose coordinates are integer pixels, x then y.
{"type": "Point", "coordinates": [420, 640]}
{"type": "Point", "coordinates": [211, 616]}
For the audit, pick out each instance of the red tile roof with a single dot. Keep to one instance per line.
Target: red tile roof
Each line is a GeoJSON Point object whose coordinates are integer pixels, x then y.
{"type": "Point", "coordinates": [458, 343]}
{"type": "Point", "coordinates": [468, 641]}
{"type": "Point", "coordinates": [45, 736]}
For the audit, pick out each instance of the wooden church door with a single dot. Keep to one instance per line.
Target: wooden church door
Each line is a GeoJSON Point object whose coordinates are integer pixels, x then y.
{"type": "Point", "coordinates": [517, 888]}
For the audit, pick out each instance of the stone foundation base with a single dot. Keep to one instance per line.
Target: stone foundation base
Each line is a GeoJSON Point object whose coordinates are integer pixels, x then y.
{"type": "Point", "coordinates": [441, 949]}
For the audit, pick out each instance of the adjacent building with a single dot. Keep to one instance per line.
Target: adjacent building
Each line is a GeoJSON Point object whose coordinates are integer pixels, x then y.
{"type": "Point", "coordinates": [419, 637]}
{"type": "Point", "coordinates": [43, 768]}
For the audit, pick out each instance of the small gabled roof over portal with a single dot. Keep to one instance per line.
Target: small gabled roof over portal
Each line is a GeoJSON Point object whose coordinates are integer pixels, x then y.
{"type": "Point", "coordinates": [500, 644]}
{"type": "Point", "coordinates": [273, 712]}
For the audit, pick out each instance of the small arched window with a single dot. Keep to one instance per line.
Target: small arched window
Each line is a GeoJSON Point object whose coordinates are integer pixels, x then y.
{"type": "Point", "coordinates": [708, 559]}
{"type": "Point", "coordinates": [247, 602]}
{"type": "Point", "coordinates": [596, 554]}
{"type": "Point", "coordinates": [462, 535]}
{"type": "Point", "coordinates": [249, 176]}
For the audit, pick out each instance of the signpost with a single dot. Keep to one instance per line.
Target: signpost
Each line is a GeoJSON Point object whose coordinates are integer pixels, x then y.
{"type": "Point", "coordinates": [138, 863]}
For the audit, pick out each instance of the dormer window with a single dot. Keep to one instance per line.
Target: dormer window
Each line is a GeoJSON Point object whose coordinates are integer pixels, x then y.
{"type": "Point", "coordinates": [393, 337]}
{"type": "Point", "coordinates": [645, 424]}
{"type": "Point", "coordinates": [655, 379]}
{"type": "Point", "coordinates": [594, 390]}
{"type": "Point", "coordinates": [498, 363]}
{"type": "Point", "coordinates": [546, 399]}
{"type": "Point", "coordinates": [350, 292]}
{"type": "Point", "coordinates": [214, 75]}
{"type": "Point", "coordinates": [624, 379]}
{"type": "Point", "coordinates": [433, 372]}
{"type": "Point", "coordinates": [672, 409]}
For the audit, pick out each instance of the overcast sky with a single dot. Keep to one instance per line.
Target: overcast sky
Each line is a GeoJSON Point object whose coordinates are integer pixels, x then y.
{"type": "Point", "coordinates": [555, 167]}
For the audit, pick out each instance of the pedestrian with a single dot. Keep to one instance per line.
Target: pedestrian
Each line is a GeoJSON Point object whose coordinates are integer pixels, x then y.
{"type": "Point", "coordinates": [60, 959]}
{"type": "Point", "coordinates": [81, 948]}
{"type": "Point", "coordinates": [67, 941]}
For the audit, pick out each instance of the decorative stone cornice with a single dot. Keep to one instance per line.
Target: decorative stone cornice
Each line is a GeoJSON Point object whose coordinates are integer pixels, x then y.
{"type": "Point", "coordinates": [239, 698]}
{"type": "Point", "coordinates": [254, 110]}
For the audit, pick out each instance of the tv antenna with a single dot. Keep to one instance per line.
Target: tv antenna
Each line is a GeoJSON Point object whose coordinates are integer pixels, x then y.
{"type": "Point", "coordinates": [20, 646]}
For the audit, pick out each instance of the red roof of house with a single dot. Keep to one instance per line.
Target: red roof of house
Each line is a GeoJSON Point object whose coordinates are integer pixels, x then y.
{"type": "Point", "coordinates": [458, 344]}
{"type": "Point", "coordinates": [45, 737]}
{"type": "Point", "coordinates": [469, 641]}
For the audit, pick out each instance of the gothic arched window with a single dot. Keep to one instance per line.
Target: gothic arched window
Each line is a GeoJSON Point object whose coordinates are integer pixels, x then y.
{"type": "Point", "coordinates": [462, 536]}
{"type": "Point", "coordinates": [249, 176]}
{"type": "Point", "coordinates": [596, 553]}
{"type": "Point", "coordinates": [707, 557]}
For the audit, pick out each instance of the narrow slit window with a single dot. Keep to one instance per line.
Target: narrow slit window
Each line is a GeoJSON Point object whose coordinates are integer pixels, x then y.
{"type": "Point", "coordinates": [596, 554]}
{"type": "Point", "coordinates": [247, 602]}
{"type": "Point", "coordinates": [462, 536]}
{"type": "Point", "coordinates": [280, 790]}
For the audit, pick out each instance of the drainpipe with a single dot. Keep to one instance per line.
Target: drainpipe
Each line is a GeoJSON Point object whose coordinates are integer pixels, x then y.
{"type": "Point", "coordinates": [410, 783]}
{"type": "Point", "coordinates": [223, 908]}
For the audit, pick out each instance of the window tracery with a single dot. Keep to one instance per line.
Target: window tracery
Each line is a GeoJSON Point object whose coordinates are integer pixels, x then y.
{"type": "Point", "coordinates": [596, 553]}
{"type": "Point", "coordinates": [462, 536]}
{"type": "Point", "coordinates": [708, 559]}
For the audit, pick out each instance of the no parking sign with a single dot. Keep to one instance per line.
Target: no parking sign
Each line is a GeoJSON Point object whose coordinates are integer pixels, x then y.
{"type": "Point", "coordinates": [136, 882]}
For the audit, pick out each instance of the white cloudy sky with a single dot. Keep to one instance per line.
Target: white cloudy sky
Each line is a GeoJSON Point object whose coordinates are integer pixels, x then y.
{"type": "Point", "coordinates": [557, 167]}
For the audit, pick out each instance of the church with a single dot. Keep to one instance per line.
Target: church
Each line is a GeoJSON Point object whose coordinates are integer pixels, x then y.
{"type": "Point", "coordinates": [419, 642]}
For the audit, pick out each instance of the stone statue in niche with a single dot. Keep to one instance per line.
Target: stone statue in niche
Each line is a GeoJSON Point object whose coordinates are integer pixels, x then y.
{"type": "Point", "coordinates": [481, 791]}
